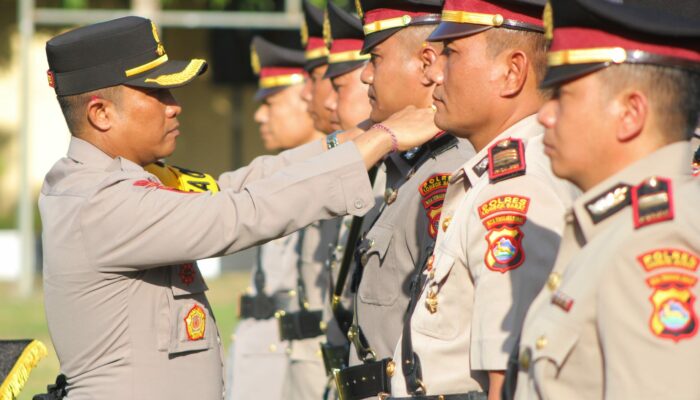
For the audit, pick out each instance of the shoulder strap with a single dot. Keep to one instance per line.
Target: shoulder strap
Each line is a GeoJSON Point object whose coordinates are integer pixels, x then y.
{"type": "Point", "coordinates": [259, 275]}
{"type": "Point", "coordinates": [506, 160]}
{"type": "Point", "coordinates": [301, 287]}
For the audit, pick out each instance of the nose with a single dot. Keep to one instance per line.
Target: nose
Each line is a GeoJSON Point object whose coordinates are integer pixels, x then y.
{"type": "Point", "coordinates": [367, 75]}
{"type": "Point", "coordinates": [261, 114]}
{"type": "Point", "coordinates": [434, 73]}
{"type": "Point", "coordinates": [331, 103]}
{"type": "Point", "coordinates": [547, 115]}
{"type": "Point", "coordinates": [306, 91]}
{"type": "Point", "coordinates": [172, 107]}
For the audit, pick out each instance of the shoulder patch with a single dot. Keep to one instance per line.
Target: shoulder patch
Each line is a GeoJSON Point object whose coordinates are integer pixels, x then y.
{"type": "Point", "coordinates": [506, 160]}
{"type": "Point", "coordinates": [433, 190]}
{"type": "Point", "coordinates": [668, 258]}
{"type": "Point", "coordinates": [504, 250]}
{"type": "Point", "coordinates": [652, 202]}
{"type": "Point", "coordinates": [673, 306]}
{"type": "Point", "coordinates": [504, 203]}
{"type": "Point", "coordinates": [609, 203]}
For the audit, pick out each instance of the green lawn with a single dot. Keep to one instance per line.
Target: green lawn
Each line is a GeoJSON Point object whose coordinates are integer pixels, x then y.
{"type": "Point", "coordinates": [24, 318]}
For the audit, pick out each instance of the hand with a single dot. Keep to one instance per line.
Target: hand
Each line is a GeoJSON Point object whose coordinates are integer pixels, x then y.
{"type": "Point", "coordinates": [412, 126]}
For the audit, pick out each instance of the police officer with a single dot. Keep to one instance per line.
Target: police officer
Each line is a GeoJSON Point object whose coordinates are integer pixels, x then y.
{"type": "Point", "coordinates": [617, 318]}
{"type": "Point", "coordinates": [259, 361]}
{"type": "Point", "coordinates": [125, 303]}
{"type": "Point", "coordinates": [503, 213]}
{"type": "Point", "coordinates": [401, 235]}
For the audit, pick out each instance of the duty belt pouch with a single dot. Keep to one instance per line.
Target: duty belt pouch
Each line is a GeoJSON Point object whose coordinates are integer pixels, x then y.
{"type": "Point", "coordinates": [335, 357]}
{"type": "Point", "coordinates": [299, 325]}
{"type": "Point", "coordinates": [364, 380]}
{"type": "Point", "coordinates": [259, 306]}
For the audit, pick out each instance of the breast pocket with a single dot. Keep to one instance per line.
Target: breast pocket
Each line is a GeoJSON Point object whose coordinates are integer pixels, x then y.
{"type": "Point", "coordinates": [450, 298]}
{"type": "Point", "coordinates": [380, 281]}
{"type": "Point", "coordinates": [191, 325]}
{"type": "Point", "coordinates": [550, 349]}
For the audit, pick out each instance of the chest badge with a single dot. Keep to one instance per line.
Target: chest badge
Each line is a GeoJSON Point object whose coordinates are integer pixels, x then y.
{"type": "Point", "coordinates": [431, 301]}
{"type": "Point", "coordinates": [673, 315]}
{"type": "Point", "coordinates": [195, 323]}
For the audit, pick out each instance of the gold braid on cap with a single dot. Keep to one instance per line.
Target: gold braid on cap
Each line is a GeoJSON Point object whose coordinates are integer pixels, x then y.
{"type": "Point", "coordinates": [548, 19]}
{"type": "Point", "coordinates": [254, 60]}
{"type": "Point", "coordinates": [190, 71]}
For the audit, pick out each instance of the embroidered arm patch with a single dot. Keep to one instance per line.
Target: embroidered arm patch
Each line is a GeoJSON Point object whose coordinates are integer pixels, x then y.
{"type": "Point", "coordinates": [673, 302]}
{"type": "Point", "coordinates": [502, 216]}
{"type": "Point", "coordinates": [432, 191]}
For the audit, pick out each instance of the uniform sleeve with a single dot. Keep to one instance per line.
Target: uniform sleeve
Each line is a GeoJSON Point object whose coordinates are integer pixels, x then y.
{"type": "Point", "coordinates": [264, 166]}
{"type": "Point", "coordinates": [133, 223]}
{"type": "Point", "coordinates": [647, 315]}
{"type": "Point", "coordinates": [512, 244]}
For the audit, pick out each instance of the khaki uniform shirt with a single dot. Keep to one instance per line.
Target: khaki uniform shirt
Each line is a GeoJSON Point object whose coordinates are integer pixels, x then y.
{"type": "Point", "coordinates": [399, 240]}
{"type": "Point", "coordinates": [497, 244]}
{"type": "Point", "coordinates": [618, 319]}
{"type": "Point", "coordinates": [259, 357]}
{"type": "Point", "coordinates": [125, 303]}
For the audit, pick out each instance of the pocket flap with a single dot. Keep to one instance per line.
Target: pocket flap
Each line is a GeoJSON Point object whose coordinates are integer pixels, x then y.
{"type": "Point", "coordinates": [191, 327]}
{"type": "Point", "coordinates": [380, 238]}
{"type": "Point", "coordinates": [554, 342]}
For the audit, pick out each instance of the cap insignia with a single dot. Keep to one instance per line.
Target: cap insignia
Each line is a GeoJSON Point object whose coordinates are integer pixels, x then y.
{"type": "Point", "coordinates": [548, 19]}
{"type": "Point", "coordinates": [160, 50]}
{"type": "Point", "coordinates": [254, 61]}
{"type": "Point", "coordinates": [327, 37]}
{"type": "Point", "coordinates": [358, 7]}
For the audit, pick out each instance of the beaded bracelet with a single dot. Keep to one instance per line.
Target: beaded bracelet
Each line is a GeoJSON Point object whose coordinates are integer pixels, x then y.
{"type": "Point", "coordinates": [394, 140]}
{"type": "Point", "coordinates": [332, 139]}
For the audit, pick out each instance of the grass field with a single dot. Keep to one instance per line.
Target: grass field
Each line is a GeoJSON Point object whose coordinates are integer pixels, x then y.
{"type": "Point", "coordinates": [24, 318]}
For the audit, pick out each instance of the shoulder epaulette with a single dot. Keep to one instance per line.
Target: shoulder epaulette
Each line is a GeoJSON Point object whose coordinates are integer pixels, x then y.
{"type": "Point", "coordinates": [609, 203]}
{"type": "Point", "coordinates": [506, 160]}
{"type": "Point", "coordinates": [652, 202]}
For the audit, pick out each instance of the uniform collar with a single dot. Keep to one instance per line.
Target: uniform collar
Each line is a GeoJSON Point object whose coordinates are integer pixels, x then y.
{"type": "Point", "coordinates": [671, 161]}
{"type": "Point", "coordinates": [85, 152]}
{"type": "Point", "coordinates": [477, 166]}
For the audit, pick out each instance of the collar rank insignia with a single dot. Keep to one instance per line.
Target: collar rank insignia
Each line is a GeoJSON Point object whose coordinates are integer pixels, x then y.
{"type": "Point", "coordinates": [433, 191]}
{"type": "Point", "coordinates": [652, 202]}
{"type": "Point", "coordinates": [506, 160]}
{"type": "Point", "coordinates": [195, 323]}
{"type": "Point", "coordinates": [481, 166]}
{"type": "Point", "coordinates": [609, 203]}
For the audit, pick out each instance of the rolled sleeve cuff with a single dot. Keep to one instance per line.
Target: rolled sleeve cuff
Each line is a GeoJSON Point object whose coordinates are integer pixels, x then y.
{"type": "Point", "coordinates": [354, 181]}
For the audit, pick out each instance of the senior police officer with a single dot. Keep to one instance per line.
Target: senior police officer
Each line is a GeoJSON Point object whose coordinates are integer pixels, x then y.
{"type": "Point", "coordinates": [125, 303]}
{"type": "Point", "coordinates": [503, 213]}
{"type": "Point", "coordinates": [618, 317]}
{"type": "Point", "coordinates": [403, 232]}
{"type": "Point", "coordinates": [259, 361]}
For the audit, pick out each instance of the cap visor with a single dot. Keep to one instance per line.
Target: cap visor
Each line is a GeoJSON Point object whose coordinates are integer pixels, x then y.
{"type": "Point", "coordinates": [262, 94]}
{"type": "Point", "coordinates": [337, 69]}
{"type": "Point", "coordinates": [314, 63]}
{"type": "Point", "coordinates": [564, 73]}
{"type": "Point", "coordinates": [174, 73]}
{"type": "Point", "coordinates": [452, 30]}
{"type": "Point", "coordinates": [375, 38]}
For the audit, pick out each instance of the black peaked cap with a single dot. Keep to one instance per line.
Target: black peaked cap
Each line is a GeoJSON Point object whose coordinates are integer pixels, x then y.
{"type": "Point", "coordinates": [344, 25]}
{"type": "Point", "coordinates": [373, 39]}
{"type": "Point", "coordinates": [271, 55]}
{"type": "Point", "coordinates": [124, 51]}
{"type": "Point", "coordinates": [313, 27]}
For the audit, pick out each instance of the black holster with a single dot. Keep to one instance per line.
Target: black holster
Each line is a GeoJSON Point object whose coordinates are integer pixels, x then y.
{"type": "Point", "coordinates": [299, 325]}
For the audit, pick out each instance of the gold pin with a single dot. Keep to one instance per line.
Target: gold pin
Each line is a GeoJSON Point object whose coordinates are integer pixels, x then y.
{"type": "Point", "coordinates": [446, 223]}
{"type": "Point", "coordinates": [553, 281]}
{"type": "Point", "coordinates": [541, 342]}
{"type": "Point", "coordinates": [431, 301]}
{"type": "Point", "coordinates": [390, 368]}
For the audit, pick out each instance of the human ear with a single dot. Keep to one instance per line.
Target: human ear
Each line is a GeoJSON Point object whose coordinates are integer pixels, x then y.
{"type": "Point", "coordinates": [516, 70]}
{"type": "Point", "coordinates": [100, 113]}
{"type": "Point", "coordinates": [633, 111]}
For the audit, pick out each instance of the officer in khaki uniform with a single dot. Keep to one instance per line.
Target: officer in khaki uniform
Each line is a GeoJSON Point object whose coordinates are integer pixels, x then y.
{"type": "Point", "coordinates": [125, 302]}
{"type": "Point", "coordinates": [503, 211]}
{"type": "Point", "coordinates": [618, 317]}
{"type": "Point", "coordinates": [259, 362]}
{"type": "Point", "coordinates": [400, 237]}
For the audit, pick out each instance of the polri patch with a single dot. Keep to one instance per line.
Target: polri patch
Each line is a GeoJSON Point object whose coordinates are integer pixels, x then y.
{"type": "Point", "coordinates": [433, 191]}
{"type": "Point", "coordinates": [506, 160]}
{"type": "Point", "coordinates": [652, 202]}
{"type": "Point", "coordinates": [673, 315]}
{"type": "Point", "coordinates": [195, 323]}
{"type": "Point", "coordinates": [504, 203]}
{"type": "Point", "coordinates": [668, 258]}
{"type": "Point", "coordinates": [504, 250]}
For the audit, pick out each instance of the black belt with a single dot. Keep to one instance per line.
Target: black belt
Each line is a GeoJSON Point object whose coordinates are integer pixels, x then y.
{"type": "Point", "coordinates": [370, 379]}
{"type": "Point", "coordinates": [335, 357]}
{"type": "Point", "coordinates": [461, 396]}
{"type": "Point", "coordinates": [262, 306]}
{"type": "Point", "coordinates": [299, 325]}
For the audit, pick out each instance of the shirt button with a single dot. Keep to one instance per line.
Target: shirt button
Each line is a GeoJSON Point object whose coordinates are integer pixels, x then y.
{"type": "Point", "coordinates": [359, 204]}
{"type": "Point", "coordinates": [541, 342]}
{"type": "Point", "coordinates": [524, 359]}
{"type": "Point", "coordinates": [273, 348]}
{"type": "Point", "coordinates": [446, 223]}
{"type": "Point", "coordinates": [553, 281]}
